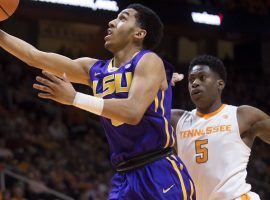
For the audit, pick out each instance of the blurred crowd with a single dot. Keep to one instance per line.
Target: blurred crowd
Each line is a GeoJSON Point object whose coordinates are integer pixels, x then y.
{"type": "Point", "coordinates": [57, 147]}
{"type": "Point", "coordinates": [65, 149]}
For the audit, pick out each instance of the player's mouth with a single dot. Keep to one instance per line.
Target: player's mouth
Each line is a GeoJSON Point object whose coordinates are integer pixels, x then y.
{"type": "Point", "coordinates": [196, 92]}
{"type": "Point", "coordinates": [109, 34]}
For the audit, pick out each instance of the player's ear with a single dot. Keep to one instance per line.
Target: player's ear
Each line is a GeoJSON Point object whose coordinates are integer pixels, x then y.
{"type": "Point", "coordinates": [221, 84]}
{"type": "Point", "coordinates": [140, 34]}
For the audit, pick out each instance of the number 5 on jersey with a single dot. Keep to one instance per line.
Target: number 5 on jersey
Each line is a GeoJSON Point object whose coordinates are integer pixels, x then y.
{"type": "Point", "coordinates": [201, 151]}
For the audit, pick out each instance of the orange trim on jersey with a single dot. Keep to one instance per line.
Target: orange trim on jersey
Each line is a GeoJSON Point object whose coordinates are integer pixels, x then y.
{"type": "Point", "coordinates": [245, 197]}
{"type": "Point", "coordinates": [184, 190]}
{"type": "Point", "coordinates": [207, 116]}
{"type": "Point", "coordinates": [165, 120]}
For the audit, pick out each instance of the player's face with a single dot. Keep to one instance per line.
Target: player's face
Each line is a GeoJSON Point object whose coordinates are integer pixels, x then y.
{"type": "Point", "coordinates": [204, 86]}
{"type": "Point", "coordinates": [121, 30]}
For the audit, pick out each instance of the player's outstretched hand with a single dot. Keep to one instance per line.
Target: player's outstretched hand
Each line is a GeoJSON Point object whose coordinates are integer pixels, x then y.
{"type": "Point", "coordinates": [176, 78]}
{"type": "Point", "coordinates": [54, 88]}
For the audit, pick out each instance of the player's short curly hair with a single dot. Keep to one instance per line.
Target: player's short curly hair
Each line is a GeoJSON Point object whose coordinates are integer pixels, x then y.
{"type": "Point", "coordinates": [147, 19]}
{"type": "Point", "coordinates": [214, 63]}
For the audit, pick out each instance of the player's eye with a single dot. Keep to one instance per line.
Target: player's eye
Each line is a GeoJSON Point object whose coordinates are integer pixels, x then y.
{"type": "Point", "coordinates": [202, 77]}
{"type": "Point", "coordinates": [191, 79]}
{"type": "Point", "coordinates": [122, 18]}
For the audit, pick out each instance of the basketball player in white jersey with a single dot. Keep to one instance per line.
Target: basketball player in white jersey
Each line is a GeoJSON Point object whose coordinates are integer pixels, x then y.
{"type": "Point", "coordinates": [215, 139]}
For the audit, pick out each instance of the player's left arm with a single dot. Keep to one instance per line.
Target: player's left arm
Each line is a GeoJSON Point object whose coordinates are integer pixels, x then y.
{"type": "Point", "coordinates": [149, 77]}
{"type": "Point", "coordinates": [262, 130]}
{"type": "Point", "coordinates": [254, 121]}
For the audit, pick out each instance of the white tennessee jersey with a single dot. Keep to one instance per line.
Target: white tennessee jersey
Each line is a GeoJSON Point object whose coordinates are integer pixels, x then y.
{"type": "Point", "coordinates": [214, 153]}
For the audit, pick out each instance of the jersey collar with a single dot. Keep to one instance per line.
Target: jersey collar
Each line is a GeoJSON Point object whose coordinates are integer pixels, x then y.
{"type": "Point", "coordinates": [208, 115]}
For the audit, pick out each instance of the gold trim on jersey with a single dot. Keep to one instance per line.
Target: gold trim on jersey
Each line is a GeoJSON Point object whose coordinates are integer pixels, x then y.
{"type": "Point", "coordinates": [207, 116]}
{"type": "Point", "coordinates": [181, 167]}
{"type": "Point", "coordinates": [156, 103]}
{"type": "Point", "coordinates": [111, 68]}
{"type": "Point", "coordinates": [173, 142]}
{"type": "Point", "coordinates": [165, 120]}
{"type": "Point", "coordinates": [192, 189]}
{"type": "Point", "coordinates": [184, 190]}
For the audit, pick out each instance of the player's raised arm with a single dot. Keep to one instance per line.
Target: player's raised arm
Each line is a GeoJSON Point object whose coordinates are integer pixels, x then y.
{"type": "Point", "coordinates": [76, 70]}
{"type": "Point", "coordinates": [148, 78]}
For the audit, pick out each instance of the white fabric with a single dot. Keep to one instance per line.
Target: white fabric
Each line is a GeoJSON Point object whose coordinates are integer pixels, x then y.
{"type": "Point", "coordinates": [89, 103]}
{"type": "Point", "coordinates": [223, 175]}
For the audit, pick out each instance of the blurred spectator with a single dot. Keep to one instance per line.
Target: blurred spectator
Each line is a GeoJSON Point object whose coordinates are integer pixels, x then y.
{"type": "Point", "coordinates": [18, 192]}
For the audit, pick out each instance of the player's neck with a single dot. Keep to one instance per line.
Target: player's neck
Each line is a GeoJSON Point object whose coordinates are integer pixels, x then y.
{"type": "Point", "coordinates": [210, 108]}
{"type": "Point", "coordinates": [124, 55]}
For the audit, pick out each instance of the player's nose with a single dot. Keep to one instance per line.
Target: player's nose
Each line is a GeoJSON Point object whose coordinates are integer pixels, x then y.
{"type": "Point", "coordinates": [111, 23]}
{"type": "Point", "coordinates": [195, 83]}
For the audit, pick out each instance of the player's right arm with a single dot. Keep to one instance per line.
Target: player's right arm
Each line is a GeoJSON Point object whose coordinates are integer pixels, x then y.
{"type": "Point", "coordinates": [149, 77]}
{"type": "Point", "coordinates": [77, 70]}
{"type": "Point", "coordinates": [176, 114]}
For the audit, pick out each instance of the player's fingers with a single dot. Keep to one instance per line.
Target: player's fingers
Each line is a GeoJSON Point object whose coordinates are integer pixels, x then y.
{"type": "Point", "coordinates": [52, 77]}
{"type": "Point", "coordinates": [45, 81]}
{"type": "Point", "coordinates": [45, 95]}
{"type": "Point", "coordinates": [178, 77]}
{"type": "Point", "coordinates": [172, 83]}
{"type": "Point", "coordinates": [43, 88]}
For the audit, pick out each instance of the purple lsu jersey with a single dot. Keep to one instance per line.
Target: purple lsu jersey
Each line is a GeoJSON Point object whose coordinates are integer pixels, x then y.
{"type": "Point", "coordinates": [153, 132]}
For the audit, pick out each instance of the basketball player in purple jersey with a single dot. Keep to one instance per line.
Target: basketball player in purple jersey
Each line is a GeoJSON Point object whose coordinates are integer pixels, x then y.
{"type": "Point", "coordinates": [132, 94]}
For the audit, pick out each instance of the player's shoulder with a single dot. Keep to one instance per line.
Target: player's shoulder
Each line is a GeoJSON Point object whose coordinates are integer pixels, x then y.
{"type": "Point", "coordinates": [178, 112]}
{"type": "Point", "coordinates": [250, 114]}
{"type": "Point", "coordinates": [87, 61]}
{"type": "Point", "coordinates": [149, 63]}
{"type": "Point", "coordinates": [247, 110]}
{"type": "Point", "coordinates": [150, 56]}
